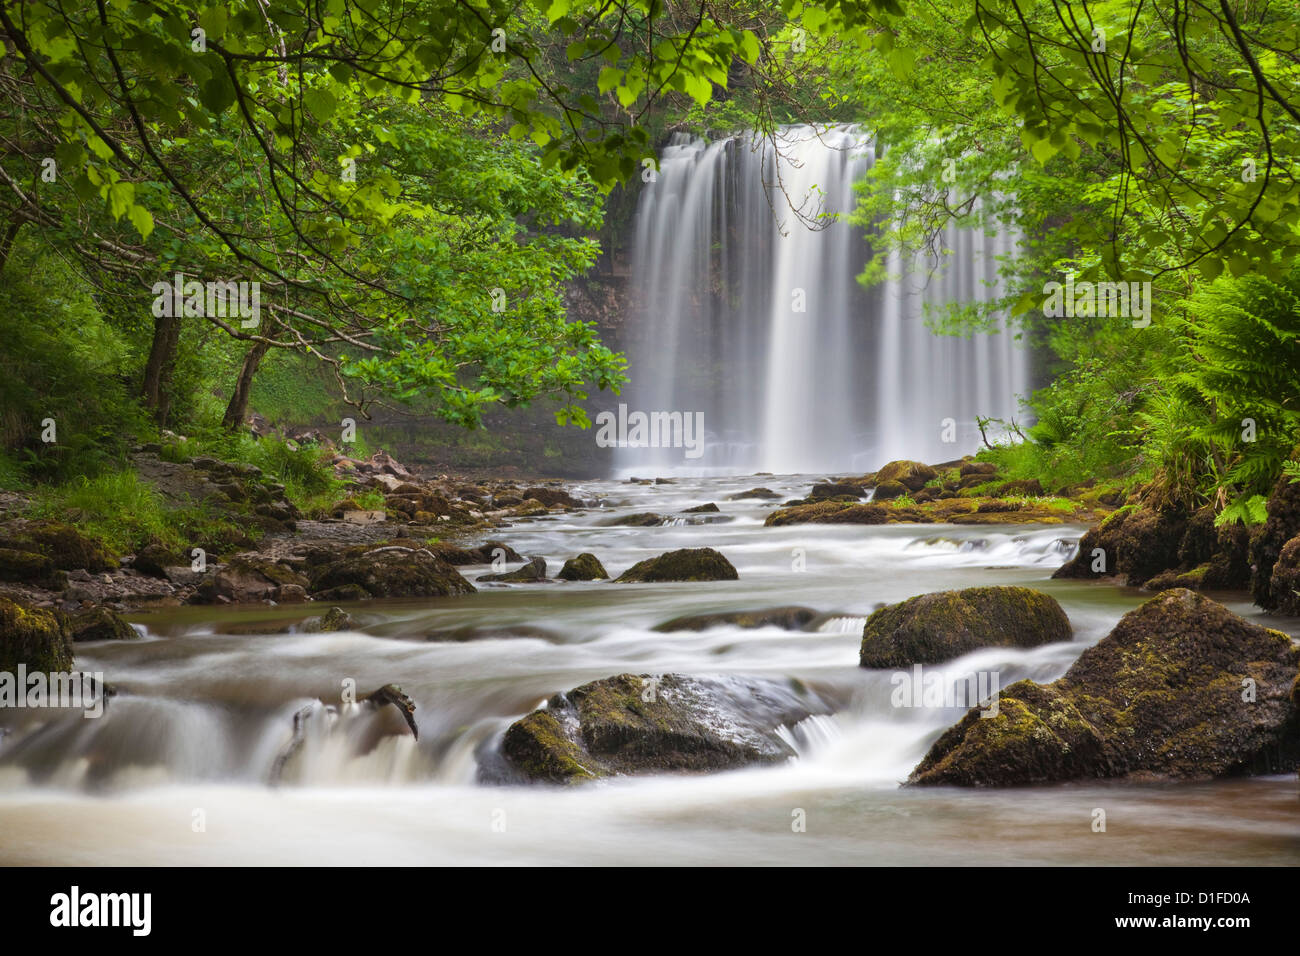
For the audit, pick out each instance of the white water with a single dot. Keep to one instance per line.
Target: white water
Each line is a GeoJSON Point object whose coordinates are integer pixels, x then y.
{"type": "Point", "coordinates": [748, 310]}
{"type": "Point", "coordinates": [204, 711]}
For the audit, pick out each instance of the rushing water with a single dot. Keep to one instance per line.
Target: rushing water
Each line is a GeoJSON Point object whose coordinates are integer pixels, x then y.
{"type": "Point", "coordinates": [750, 313]}
{"type": "Point", "coordinates": [205, 708]}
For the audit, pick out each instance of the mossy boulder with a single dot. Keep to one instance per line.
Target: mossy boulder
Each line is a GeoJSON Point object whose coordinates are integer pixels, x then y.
{"type": "Point", "coordinates": [937, 627]}
{"type": "Point", "coordinates": [889, 490]}
{"type": "Point", "coordinates": [828, 512]}
{"type": "Point", "coordinates": [685, 564]}
{"type": "Point", "coordinates": [68, 548]}
{"type": "Point", "coordinates": [1182, 688]}
{"type": "Point", "coordinates": [1284, 586]}
{"type": "Point", "coordinates": [1137, 543]}
{"type": "Point", "coordinates": [100, 624]}
{"type": "Point", "coordinates": [584, 567]}
{"type": "Point", "coordinates": [762, 494]}
{"type": "Point", "coordinates": [28, 567]}
{"type": "Point", "coordinates": [791, 618]}
{"type": "Point", "coordinates": [642, 519]}
{"type": "Point", "coordinates": [34, 637]}
{"type": "Point", "coordinates": [335, 619]}
{"type": "Point", "coordinates": [533, 571]}
{"type": "Point", "coordinates": [1267, 542]}
{"type": "Point", "coordinates": [709, 508]}
{"type": "Point", "coordinates": [388, 571]}
{"type": "Point", "coordinates": [632, 724]}
{"type": "Point", "coordinates": [154, 560]}
{"type": "Point", "coordinates": [912, 475]}
{"type": "Point", "coordinates": [833, 489]}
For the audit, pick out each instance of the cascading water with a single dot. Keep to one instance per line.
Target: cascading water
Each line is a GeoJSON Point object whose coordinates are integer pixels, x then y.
{"type": "Point", "coordinates": [750, 313]}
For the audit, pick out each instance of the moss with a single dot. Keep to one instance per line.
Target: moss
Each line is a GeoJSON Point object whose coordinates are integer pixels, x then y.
{"type": "Point", "coordinates": [684, 564]}
{"type": "Point", "coordinates": [28, 567]}
{"type": "Point", "coordinates": [539, 746]}
{"type": "Point", "coordinates": [584, 567]}
{"type": "Point", "coordinates": [34, 637]}
{"type": "Point", "coordinates": [911, 474]}
{"type": "Point", "coordinates": [100, 624]}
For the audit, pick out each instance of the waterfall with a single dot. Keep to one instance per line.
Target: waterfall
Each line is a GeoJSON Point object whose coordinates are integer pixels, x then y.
{"type": "Point", "coordinates": [747, 309]}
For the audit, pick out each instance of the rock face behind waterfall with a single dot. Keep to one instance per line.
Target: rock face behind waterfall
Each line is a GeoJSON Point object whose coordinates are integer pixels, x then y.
{"type": "Point", "coordinates": [1181, 688]}
{"type": "Point", "coordinates": [634, 725]}
{"type": "Point", "coordinates": [937, 627]}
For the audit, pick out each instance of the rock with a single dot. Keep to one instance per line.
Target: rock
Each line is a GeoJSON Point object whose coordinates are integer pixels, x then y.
{"type": "Point", "coordinates": [33, 637]}
{"type": "Point", "coordinates": [64, 546]}
{"type": "Point", "coordinates": [1138, 544]}
{"type": "Point", "coordinates": [701, 509]}
{"type": "Point", "coordinates": [933, 628]}
{"type": "Point", "coordinates": [765, 494]}
{"type": "Point", "coordinates": [391, 571]}
{"type": "Point", "coordinates": [585, 567]}
{"type": "Point", "coordinates": [529, 508]}
{"type": "Point", "coordinates": [828, 512]}
{"type": "Point", "coordinates": [912, 475]}
{"type": "Point", "coordinates": [968, 468]}
{"type": "Point", "coordinates": [1284, 586]}
{"type": "Point", "coordinates": [28, 567]}
{"type": "Point", "coordinates": [100, 624]}
{"type": "Point", "coordinates": [552, 497]}
{"type": "Point", "coordinates": [248, 579]}
{"type": "Point", "coordinates": [335, 619]}
{"type": "Point", "coordinates": [636, 725]}
{"type": "Point", "coordinates": [533, 571]}
{"type": "Point", "coordinates": [1027, 487]}
{"type": "Point", "coordinates": [154, 560]}
{"type": "Point", "coordinates": [643, 519]}
{"type": "Point", "coordinates": [1181, 688]}
{"type": "Point", "coordinates": [888, 490]}
{"type": "Point", "coordinates": [791, 618]}
{"type": "Point", "coordinates": [827, 489]}
{"type": "Point", "coordinates": [685, 564]}
{"type": "Point", "coordinates": [491, 551]}
{"type": "Point", "coordinates": [291, 594]}
{"type": "Point", "coordinates": [1267, 542]}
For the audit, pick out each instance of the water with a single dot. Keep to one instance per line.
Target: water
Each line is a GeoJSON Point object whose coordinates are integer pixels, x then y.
{"type": "Point", "coordinates": [748, 310]}
{"type": "Point", "coordinates": [206, 708]}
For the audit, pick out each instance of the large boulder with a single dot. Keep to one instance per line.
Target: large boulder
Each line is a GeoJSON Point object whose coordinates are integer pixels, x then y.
{"type": "Point", "coordinates": [1181, 688]}
{"type": "Point", "coordinates": [1284, 585]}
{"type": "Point", "coordinates": [66, 547]}
{"type": "Point", "coordinates": [1138, 543]}
{"type": "Point", "coordinates": [791, 618]}
{"type": "Point", "coordinates": [389, 571]}
{"type": "Point", "coordinates": [833, 489]}
{"type": "Point", "coordinates": [912, 475]}
{"type": "Point", "coordinates": [828, 512]}
{"type": "Point", "coordinates": [100, 624]}
{"type": "Point", "coordinates": [584, 567]}
{"type": "Point", "coordinates": [36, 638]}
{"type": "Point", "coordinates": [244, 580]}
{"type": "Point", "coordinates": [937, 627]}
{"type": "Point", "coordinates": [532, 572]}
{"type": "Point", "coordinates": [685, 564]}
{"type": "Point", "coordinates": [29, 567]}
{"type": "Point", "coordinates": [635, 725]}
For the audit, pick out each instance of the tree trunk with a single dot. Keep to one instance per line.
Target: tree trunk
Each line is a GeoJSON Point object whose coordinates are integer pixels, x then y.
{"type": "Point", "coordinates": [238, 407]}
{"type": "Point", "coordinates": [158, 370]}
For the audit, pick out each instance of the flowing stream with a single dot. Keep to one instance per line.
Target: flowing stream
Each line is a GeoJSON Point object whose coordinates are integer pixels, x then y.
{"type": "Point", "coordinates": [179, 768]}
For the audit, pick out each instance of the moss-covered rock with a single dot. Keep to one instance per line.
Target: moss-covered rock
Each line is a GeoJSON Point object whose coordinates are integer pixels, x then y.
{"type": "Point", "coordinates": [28, 567]}
{"type": "Point", "coordinates": [1138, 543]}
{"type": "Point", "coordinates": [533, 571]}
{"type": "Point", "coordinates": [154, 560]}
{"type": "Point", "coordinates": [389, 571]}
{"type": "Point", "coordinates": [833, 489]}
{"type": "Point", "coordinates": [912, 475]}
{"type": "Point", "coordinates": [642, 519]}
{"type": "Point", "coordinates": [828, 512]}
{"type": "Point", "coordinates": [1181, 688]}
{"type": "Point", "coordinates": [335, 619]}
{"type": "Point", "coordinates": [100, 624]}
{"type": "Point", "coordinates": [791, 618]}
{"type": "Point", "coordinates": [889, 490]}
{"type": "Point", "coordinates": [709, 508]}
{"type": "Point", "coordinates": [685, 564]}
{"type": "Point", "coordinates": [937, 627]}
{"type": "Point", "coordinates": [762, 494]}
{"type": "Point", "coordinates": [640, 724]}
{"type": "Point", "coordinates": [584, 567]}
{"type": "Point", "coordinates": [34, 637]}
{"type": "Point", "coordinates": [68, 548]}
{"type": "Point", "coordinates": [1284, 586]}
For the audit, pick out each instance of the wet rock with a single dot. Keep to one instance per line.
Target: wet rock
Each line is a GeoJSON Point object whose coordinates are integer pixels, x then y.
{"type": "Point", "coordinates": [390, 571]}
{"type": "Point", "coordinates": [584, 567]}
{"type": "Point", "coordinates": [636, 725]}
{"type": "Point", "coordinates": [1138, 544]}
{"type": "Point", "coordinates": [888, 490]}
{"type": "Point", "coordinates": [791, 618]}
{"type": "Point", "coordinates": [1181, 688]}
{"type": "Point", "coordinates": [28, 567]}
{"type": "Point", "coordinates": [827, 489]}
{"type": "Point", "coordinates": [64, 546]}
{"type": "Point", "coordinates": [828, 512]}
{"type": "Point", "coordinates": [701, 509]}
{"type": "Point", "coordinates": [552, 497]}
{"type": "Point", "coordinates": [642, 519]}
{"type": "Point", "coordinates": [100, 624]}
{"type": "Point", "coordinates": [937, 627]}
{"type": "Point", "coordinates": [1284, 586]}
{"type": "Point", "coordinates": [335, 619]}
{"type": "Point", "coordinates": [763, 494]}
{"type": "Point", "coordinates": [530, 573]}
{"type": "Point", "coordinates": [490, 551]}
{"type": "Point", "coordinates": [247, 579]}
{"type": "Point", "coordinates": [912, 475]}
{"type": "Point", "coordinates": [154, 560]}
{"type": "Point", "coordinates": [685, 564]}
{"type": "Point", "coordinates": [34, 637]}
{"type": "Point", "coordinates": [1267, 542]}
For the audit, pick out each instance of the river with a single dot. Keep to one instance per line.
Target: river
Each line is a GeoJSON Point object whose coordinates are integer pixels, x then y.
{"type": "Point", "coordinates": [178, 769]}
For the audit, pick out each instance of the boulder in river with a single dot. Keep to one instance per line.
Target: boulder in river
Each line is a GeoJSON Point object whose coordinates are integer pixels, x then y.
{"type": "Point", "coordinates": [833, 489]}
{"type": "Point", "coordinates": [1181, 688]}
{"type": "Point", "coordinates": [763, 494]}
{"type": "Point", "coordinates": [584, 567]}
{"type": "Point", "coordinates": [642, 519]}
{"type": "Point", "coordinates": [530, 573]}
{"type": "Point", "coordinates": [709, 508]}
{"type": "Point", "coordinates": [684, 564]}
{"type": "Point", "coordinates": [888, 490]}
{"type": "Point", "coordinates": [641, 724]}
{"type": "Point", "coordinates": [936, 627]}
{"type": "Point", "coordinates": [791, 618]}
{"type": "Point", "coordinates": [389, 571]}
{"type": "Point", "coordinates": [912, 475]}
{"type": "Point", "coordinates": [37, 638]}
{"type": "Point", "coordinates": [247, 579]}
{"type": "Point", "coordinates": [99, 624]}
